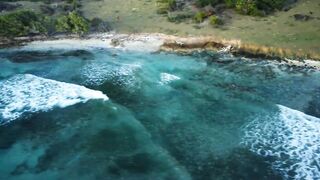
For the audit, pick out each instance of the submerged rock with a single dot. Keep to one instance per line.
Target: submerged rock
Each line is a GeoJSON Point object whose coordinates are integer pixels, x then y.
{"type": "Point", "coordinates": [83, 54]}
{"type": "Point", "coordinates": [29, 56]}
{"type": "Point", "coordinates": [33, 56]}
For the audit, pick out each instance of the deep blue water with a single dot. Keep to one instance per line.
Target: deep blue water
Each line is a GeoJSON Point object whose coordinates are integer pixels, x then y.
{"type": "Point", "coordinates": [168, 116]}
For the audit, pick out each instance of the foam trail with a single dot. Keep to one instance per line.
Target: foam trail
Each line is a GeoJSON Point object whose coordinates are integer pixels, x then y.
{"type": "Point", "coordinates": [166, 78]}
{"type": "Point", "coordinates": [28, 93]}
{"type": "Point", "coordinates": [291, 138]}
{"type": "Point", "coordinates": [120, 74]}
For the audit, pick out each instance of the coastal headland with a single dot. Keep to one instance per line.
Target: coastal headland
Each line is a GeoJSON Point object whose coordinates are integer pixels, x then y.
{"type": "Point", "coordinates": [292, 33]}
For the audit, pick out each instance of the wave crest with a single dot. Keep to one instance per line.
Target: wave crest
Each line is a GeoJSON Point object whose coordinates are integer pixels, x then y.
{"type": "Point", "coordinates": [291, 138]}
{"type": "Point", "coordinates": [28, 93]}
{"type": "Point", "coordinates": [166, 78]}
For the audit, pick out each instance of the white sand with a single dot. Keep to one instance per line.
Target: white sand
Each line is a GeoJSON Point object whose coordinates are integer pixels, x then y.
{"type": "Point", "coordinates": [138, 42]}
{"type": "Point", "coordinates": [144, 42]}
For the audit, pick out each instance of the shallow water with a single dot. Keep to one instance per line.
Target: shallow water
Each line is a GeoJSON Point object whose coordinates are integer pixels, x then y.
{"type": "Point", "coordinates": [113, 114]}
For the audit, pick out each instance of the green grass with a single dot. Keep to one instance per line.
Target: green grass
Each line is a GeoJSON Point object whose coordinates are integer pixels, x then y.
{"type": "Point", "coordinates": [259, 30]}
{"type": "Point", "coordinates": [278, 29]}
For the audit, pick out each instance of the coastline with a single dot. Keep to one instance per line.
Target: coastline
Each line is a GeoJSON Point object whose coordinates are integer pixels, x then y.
{"type": "Point", "coordinates": [154, 42]}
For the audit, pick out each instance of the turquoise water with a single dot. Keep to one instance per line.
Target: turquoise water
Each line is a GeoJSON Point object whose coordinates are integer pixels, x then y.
{"type": "Point", "coordinates": [113, 114]}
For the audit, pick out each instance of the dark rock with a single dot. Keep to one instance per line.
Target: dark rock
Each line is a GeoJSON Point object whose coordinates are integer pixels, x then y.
{"type": "Point", "coordinates": [219, 8]}
{"type": "Point", "coordinates": [288, 5]}
{"type": "Point", "coordinates": [47, 9]}
{"type": "Point", "coordinates": [8, 7]}
{"type": "Point", "coordinates": [302, 17]}
{"type": "Point", "coordinates": [209, 10]}
{"type": "Point", "coordinates": [286, 8]}
{"type": "Point", "coordinates": [180, 4]}
{"type": "Point", "coordinates": [98, 25]}
{"type": "Point", "coordinates": [115, 42]}
{"type": "Point", "coordinates": [66, 8]}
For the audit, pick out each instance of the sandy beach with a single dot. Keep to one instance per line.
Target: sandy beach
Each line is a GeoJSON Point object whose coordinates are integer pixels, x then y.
{"type": "Point", "coordinates": [155, 42]}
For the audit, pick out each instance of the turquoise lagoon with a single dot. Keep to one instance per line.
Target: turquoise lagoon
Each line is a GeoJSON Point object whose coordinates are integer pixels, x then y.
{"type": "Point", "coordinates": [92, 113]}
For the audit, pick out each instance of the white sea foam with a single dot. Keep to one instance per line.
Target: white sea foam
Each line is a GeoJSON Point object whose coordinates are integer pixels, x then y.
{"type": "Point", "coordinates": [28, 93]}
{"type": "Point", "coordinates": [291, 138]}
{"type": "Point", "coordinates": [120, 74]}
{"type": "Point", "coordinates": [226, 49]}
{"type": "Point", "coordinates": [166, 78]}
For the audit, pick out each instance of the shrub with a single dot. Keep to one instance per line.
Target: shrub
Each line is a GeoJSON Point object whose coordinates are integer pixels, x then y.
{"type": "Point", "coordinates": [21, 23]}
{"type": "Point", "coordinates": [164, 6]}
{"type": "Point", "coordinates": [255, 7]}
{"type": "Point", "coordinates": [215, 20]}
{"type": "Point", "coordinates": [270, 5]}
{"type": "Point", "coordinates": [74, 4]}
{"type": "Point", "coordinates": [72, 22]}
{"type": "Point", "coordinates": [199, 17]}
{"type": "Point", "coordinates": [179, 16]}
{"type": "Point", "coordinates": [248, 7]}
{"type": "Point", "coordinates": [230, 3]}
{"type": "Point", "coordinates": [202, 3]}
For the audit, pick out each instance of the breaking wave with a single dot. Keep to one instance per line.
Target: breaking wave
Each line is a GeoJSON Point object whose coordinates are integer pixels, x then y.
{"type": "Point", "coordinates": [28, 93]}
{"type": "Point", "coordinates": [166, 78]}
{"type": "Point", "coordinates": [120, 74]}
{"type": "Point", "coordinates": [291, 139]}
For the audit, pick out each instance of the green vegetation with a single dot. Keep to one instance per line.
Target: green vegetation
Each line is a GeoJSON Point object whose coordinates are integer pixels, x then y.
{"type": "Point", "coordinates": [179, 12]}
{"type": "Point", "coordinates": [230, 3]}
{"type": "Point", "coordinates": [22, 23]}
{"type": "Point", "coordinates": [165, 6]}
{"type": "Point", "coordinates": [199, 17]}
{"type": "Point", "coordinates": [72, 22]}
{"type": "Point", "coordinates": [202, 3]}
{"type": "Point", "coordinates": [215, 20]}
{"type": "Point", "coordinates": [255, 7]}
{"type": "Point", "coordinates": [179, 16]}
{"type": "Point", "coordinates": [280, 30]}
{"type": "Point", "coordinates": [18, 0]}
{"type": "Point", "coordinates": [248, 7]}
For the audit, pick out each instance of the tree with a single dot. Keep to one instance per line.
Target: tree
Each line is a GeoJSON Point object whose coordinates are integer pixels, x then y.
{"type": "Point", "coordinates": [72, 22]}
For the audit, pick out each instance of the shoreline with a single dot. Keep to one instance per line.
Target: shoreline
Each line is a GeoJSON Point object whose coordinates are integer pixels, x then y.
{"type": "Point", "coordinates": [155, 42]}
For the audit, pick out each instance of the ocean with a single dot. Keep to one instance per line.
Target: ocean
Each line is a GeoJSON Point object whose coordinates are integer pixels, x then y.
{"type": "Point", "coordinates": [106, 113]}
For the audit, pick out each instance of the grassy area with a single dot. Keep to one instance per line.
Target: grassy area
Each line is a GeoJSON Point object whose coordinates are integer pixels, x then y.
{"type": "Point", "coordinates": [278, 30]}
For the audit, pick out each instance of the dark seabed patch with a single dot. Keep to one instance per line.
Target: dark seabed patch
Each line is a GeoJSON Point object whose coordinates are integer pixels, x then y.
{"type": "Point", "coordinates": [34, 56]}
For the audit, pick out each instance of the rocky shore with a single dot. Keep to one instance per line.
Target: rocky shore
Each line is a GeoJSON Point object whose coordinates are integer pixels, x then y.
{"type": "Point", "coordinates": [154, 42]}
